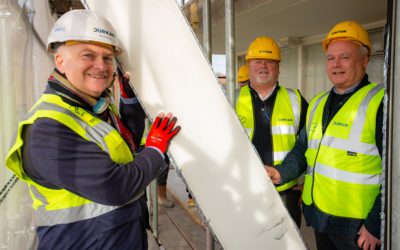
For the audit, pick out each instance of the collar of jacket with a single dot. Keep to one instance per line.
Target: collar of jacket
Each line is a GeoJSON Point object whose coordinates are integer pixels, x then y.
{"type": "Point", "coordinates": [58, 84]}
{"type": "Point", "coordinates": [254, 93]}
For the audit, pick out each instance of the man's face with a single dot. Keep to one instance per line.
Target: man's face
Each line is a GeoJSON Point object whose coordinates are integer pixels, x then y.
{"type": "Point", "coordinates": [263, 71]}
{"type": "Point", "coordinates": [345, 64]}
{"type": "Point", "coordinates": [88, 67]}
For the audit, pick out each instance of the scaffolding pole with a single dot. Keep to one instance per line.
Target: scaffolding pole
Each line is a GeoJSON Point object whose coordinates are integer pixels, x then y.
{"type": "Point", "coordinates": [393, 184]}
{"type": "Point", "coordinates": [230, 49]}
{"type": "Point", "coordinates": [208, 53]}
{"type": "Point", "coordinates": [207, 29]}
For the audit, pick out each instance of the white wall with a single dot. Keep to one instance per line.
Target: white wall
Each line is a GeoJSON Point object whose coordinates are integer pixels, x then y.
{"type": "Point", "coordinates": [288, 68]}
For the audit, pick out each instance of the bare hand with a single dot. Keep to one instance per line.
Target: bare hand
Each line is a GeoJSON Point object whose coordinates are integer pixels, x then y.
{"type": "Point", "coordinates": [127, 75]}
{"type": "Point", "coordinates": [300, 188]}
{"type": "Point", "coordinates": [273, 174]}
{"type": "Point", "coordinates": [367, 241]}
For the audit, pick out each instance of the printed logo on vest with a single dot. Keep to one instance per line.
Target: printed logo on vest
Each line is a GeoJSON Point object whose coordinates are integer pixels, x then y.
{"type": "Point", "coordinates": [341, 124]}
{"type": "Point", "coordinates": [313, 127]}
{"type": "Point", "coordinates": [242, 119]}
{"type": "Point", "coordinates": [349, 153]}
{"type": "Point", "coordinates": [77, 110]}
{"type": "Point", "coordinates": [285, 119]}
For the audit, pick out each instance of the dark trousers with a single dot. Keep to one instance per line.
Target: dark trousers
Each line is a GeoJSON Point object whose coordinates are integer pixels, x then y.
{"type": "Point", "coordinates": [335, 242]}
{"type": "Point", "coordinates": [291, 200]}
{"type": "Point", "coordinates": [162, 178]}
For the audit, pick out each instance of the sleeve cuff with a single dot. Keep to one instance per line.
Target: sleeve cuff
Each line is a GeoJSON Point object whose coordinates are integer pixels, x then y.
{"type": "Point", "coordinates": [129, 101]}
{"type": "Point", "coordinates": [158, 150]}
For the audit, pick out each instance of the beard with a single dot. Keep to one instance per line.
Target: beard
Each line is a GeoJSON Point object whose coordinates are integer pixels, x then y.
{"type": "Point", "coordinates": [262, 80]}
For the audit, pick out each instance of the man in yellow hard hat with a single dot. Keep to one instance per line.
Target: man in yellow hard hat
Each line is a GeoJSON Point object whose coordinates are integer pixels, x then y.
{"type": "Point", "coordinates": [76, 152]}
{"type": "Point", "coordinates": [341, 148]}
{"type": "Point", "coordinates": [243, 75]}
{"type": "Point", "coordinates": [272, 114]}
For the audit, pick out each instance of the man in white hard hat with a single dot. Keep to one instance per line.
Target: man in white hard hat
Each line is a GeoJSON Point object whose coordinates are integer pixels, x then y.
{"type": "Point", "coordinates": [341, 148]}
{"type": "Point", "coordinates": [76, 153]}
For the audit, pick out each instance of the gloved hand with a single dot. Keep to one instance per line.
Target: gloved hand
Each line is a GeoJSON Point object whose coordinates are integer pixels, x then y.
{"type": "Point", "coordinates": [125, 88]}
{"type": "Point", "coordinates": [162, 131]}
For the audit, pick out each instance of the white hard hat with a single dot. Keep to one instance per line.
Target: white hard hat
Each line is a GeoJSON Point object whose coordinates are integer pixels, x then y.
{"type": "Point", "coordinates": [85, 26]}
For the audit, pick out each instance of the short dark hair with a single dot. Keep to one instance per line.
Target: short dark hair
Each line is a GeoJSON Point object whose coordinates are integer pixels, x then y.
{"type": "Point", "coordinates": [55, 46]}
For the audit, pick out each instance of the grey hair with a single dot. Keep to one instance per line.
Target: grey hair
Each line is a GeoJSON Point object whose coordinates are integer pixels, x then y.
{"type": "Point", "coordinates": [364, 51]}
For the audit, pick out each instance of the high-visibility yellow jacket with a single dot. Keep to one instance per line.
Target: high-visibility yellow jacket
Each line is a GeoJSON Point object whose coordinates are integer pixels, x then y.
{"type": "Point", "coordinates": [285, 122]}
{"type": "Point", "coordinates": [344, 164]}
{"type": "Point", "coordinates": [59, 206]}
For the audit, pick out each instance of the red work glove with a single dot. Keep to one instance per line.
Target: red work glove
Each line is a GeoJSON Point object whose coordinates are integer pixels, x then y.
{"type": "Point", "coordinates": [162, 131]}
{"type": "Point", "coordinates": [124, 86]}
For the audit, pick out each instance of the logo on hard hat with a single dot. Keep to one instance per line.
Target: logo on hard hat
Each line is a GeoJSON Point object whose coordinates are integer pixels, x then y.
{"type": "Point", "coordinates": [266, 51]}
{"type": "Point", "coordinates": [103, 31]}
{"type": "Point", "coordinates": [60, 29]}
{"type": "Point", "coordinates": [338, 31]}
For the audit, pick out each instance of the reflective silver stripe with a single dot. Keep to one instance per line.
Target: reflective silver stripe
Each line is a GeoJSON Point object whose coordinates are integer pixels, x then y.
{"type": "Point", "coordinates": [309, 170]}
{"type": "Point", "coordinates": [296, 107]}
{"type": "Point", "coordinates": [359, 120]}
{"type": "Point", "coordinates": [341, 175]}
{"type": "Point", "coordinates": [44, 217]}
{"type": "Point", "coordinates": [311, 114]}
{"type": "Point", "coordinates": [83, 212]}
{"type": "Point", "coordinates": [279, 156]}
{"type": "Point", "coordinates": [63, 216]}
{"type": "Point", "coordinates": [95, 133]}
{"type": "Point", "coordinates": [38, 195]}
{"type": "Point", "coordinates": [283, 130]}
{"type": "Point", "coordinates": [314, 143]}
{"type": "Point", "coordinates": [350, 145]}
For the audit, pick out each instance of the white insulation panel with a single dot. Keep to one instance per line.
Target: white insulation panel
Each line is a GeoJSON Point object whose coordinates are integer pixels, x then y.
{"type": "Point", "coordinates": [171, 74]}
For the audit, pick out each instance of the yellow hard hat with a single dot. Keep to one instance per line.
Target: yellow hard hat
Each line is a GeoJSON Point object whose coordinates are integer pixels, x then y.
{"type": "Point", "coordinates": [348, 30]}
{"type": "Point", "coordinates": [243, 73]}
{"type": "Point", "coordinates": [263, 48]}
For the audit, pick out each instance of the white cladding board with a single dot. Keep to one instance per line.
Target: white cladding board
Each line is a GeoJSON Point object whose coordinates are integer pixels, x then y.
{"type": "Point", "coordinates": [171, 74]}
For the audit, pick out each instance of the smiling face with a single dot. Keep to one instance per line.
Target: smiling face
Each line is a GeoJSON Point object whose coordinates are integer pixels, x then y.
{"type": "Point", "coordinates": [89, 67]}
{"type": "Point", "coordinates": [263, 72]}
{"type": "Point", "coordinates": [346, 64]}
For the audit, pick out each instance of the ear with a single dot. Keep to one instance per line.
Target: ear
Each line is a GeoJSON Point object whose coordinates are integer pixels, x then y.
{"type": "Point", "coordinates": [59, 61]}
{"type": "Point", "coordinates": [365, 61]}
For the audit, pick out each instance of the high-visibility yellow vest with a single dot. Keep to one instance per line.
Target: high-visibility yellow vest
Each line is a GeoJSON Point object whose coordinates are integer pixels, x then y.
{"type": "Point", "coordinates": [59, 206]}
{"type": "Point", "coordinates": [145, 132]}
{"type": "Point", "coordinates": [285, 122]}
{"type": "Point", "coordinates": [344, 164]}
